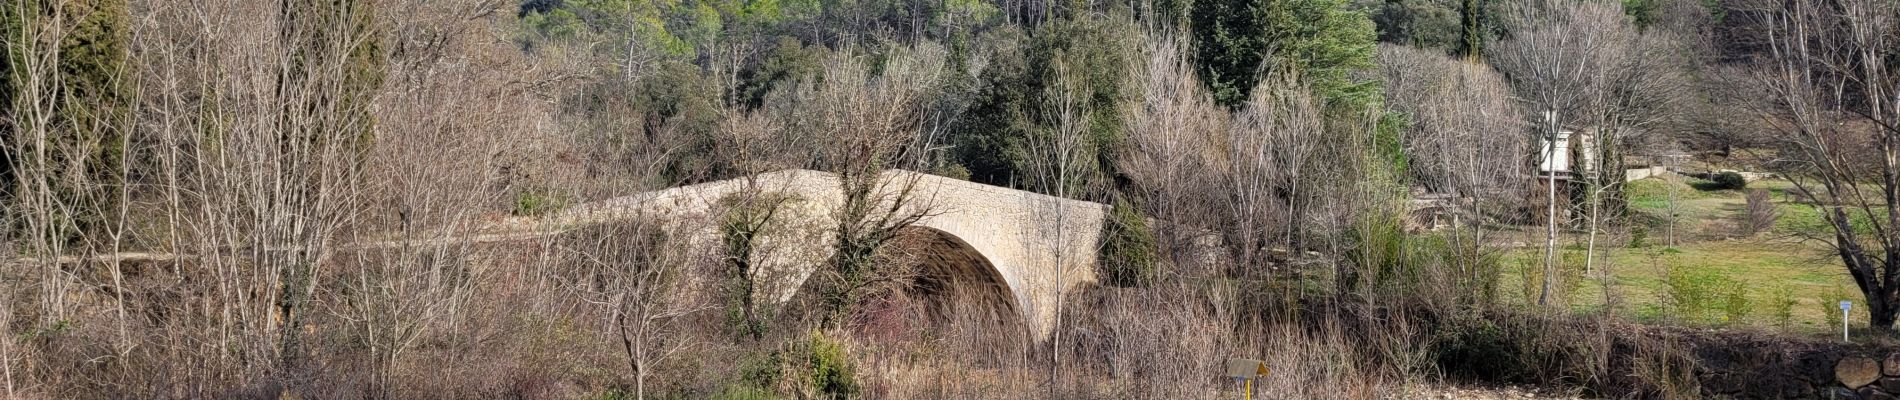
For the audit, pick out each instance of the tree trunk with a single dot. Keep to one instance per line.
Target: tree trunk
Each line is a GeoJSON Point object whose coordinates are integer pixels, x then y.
{"type": "Point", "coordinates": [1880, 298]}
{"type": "Point", "coordinates": [1880, 316]}
{"type": "Point", "coordinates": [1550, 235]}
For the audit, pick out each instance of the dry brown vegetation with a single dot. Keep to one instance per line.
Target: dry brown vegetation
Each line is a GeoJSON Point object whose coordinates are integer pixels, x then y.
{"type": "Point", "coordinates": [288, 199]}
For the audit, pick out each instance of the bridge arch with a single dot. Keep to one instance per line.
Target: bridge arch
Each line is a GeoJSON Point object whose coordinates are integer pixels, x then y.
{"type": "Point", "coordinates": [951, 293]}
{"type": "Point", "coordinates": [953, 276]}
{"type": "Point", "coordinates": [980, 239]}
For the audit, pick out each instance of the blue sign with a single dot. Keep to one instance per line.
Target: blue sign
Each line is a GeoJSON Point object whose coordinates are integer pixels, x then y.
{"type": "Point", "coordinates": [1846, 305]}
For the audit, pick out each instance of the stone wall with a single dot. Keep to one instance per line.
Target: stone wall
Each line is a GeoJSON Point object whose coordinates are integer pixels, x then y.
{"type": "Point", "coordinates": [1766, 366]}
{"type": "Point", "coordinates": [1866, 378]}
{"type": "Point", "coordinates": [1636, 174]}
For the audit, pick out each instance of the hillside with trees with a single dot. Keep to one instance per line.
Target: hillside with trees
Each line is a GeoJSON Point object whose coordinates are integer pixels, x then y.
{"type": "Point", "coordinates": [1372, 198]}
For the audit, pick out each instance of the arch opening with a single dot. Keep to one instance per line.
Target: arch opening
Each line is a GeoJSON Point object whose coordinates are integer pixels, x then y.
{"type": "Point", "coordinates": [949, 293]}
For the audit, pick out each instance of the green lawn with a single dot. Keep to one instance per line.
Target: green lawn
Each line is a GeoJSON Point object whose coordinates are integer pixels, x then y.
{"type": "Point", "coordinates": [1763, 273]}
{"type": "Point", "coordinates": [1772, 279]}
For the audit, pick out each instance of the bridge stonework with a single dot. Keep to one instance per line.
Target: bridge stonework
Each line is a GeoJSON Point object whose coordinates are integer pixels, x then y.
{"type": "Point", "coordinates": [1040, 246]}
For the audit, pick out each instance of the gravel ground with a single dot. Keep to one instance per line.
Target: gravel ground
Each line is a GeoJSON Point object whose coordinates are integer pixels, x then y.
{"type": "Point", "coordinates": [1472, 393]}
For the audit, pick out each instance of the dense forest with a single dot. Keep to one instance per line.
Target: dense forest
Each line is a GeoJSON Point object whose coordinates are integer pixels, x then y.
{"type": "Point", "coordinates": [388, 198]}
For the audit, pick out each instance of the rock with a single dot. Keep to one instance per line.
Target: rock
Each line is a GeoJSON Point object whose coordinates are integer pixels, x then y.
{"type": "Point", "coordinates": [1871, 394]}
{"type": "Point", "coordinates": [1856, 371]}
{"type": "Point", "coordinates": [1795, 389]}
{"type": "Point", "coordinates": [1891, 367]}
{"type": "Point", "coordinates": [1841, 393]}
{"type": "Point", "coordinates": [1817, 367]}
{"type": "Point", "coordinates": [1892, 384]}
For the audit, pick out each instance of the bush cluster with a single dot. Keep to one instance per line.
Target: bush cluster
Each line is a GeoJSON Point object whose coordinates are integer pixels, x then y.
{"type": "Point", "coordinates": [1729, 180]}
{"type": "Point", "coordinates": [1700, 294]}
{"type": "Point", "coordinates": [1128, 250]}
{"type": "Point", "coordinates": [536, 202]}
{"type": "Point", "coordinates": [827, 367]}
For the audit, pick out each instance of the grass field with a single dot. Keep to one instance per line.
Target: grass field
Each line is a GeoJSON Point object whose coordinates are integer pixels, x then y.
{"type": "Point", "coordinates": [1704, 271]}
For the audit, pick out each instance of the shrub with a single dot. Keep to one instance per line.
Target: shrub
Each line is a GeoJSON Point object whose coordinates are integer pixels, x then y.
{"type": "Point", "coordinates": [815, 365]}
{"type": "Point", "coordinates": [1783, 304]}
{"type": "Point", "coordinates": [1639, 236]}
{"type": "Point", "coordinates": [1735, 303]}
{"type": "Point", "coordinates": [760, 369]}
{"type": "Point", "coordinates": [1729, 180]}
{"type": "Point", "coordinates": [746, 218]}
{"type": "Point", "coordinates": [1563, 286]}
{"type": "Point", "coordinates": [1455, 266]}
{"type": "Point", "coordinates": [1472, 345]}
{"type": "Point", "coordinates": [609, 394]}
{"type": "Point", "coordinates": [1760, 214]}
{"type": "Point", "coordinates": [952, 170]}
{"type": "Point", "coordinates": [1128, 249]}
{"type": "Point", "coordinates": [827, 367]}
{"type": "Point", "coordinates": [536, 202]}
{"type": "Point", "coordinates": [1689, 293]}
{"type": "Point", "coordinates": [1570, 269]}
{"type": "Point", "coordinates": [1830, 305]}
{"type": "Point", "coordinates": [1378, 253]}
{"type": "Point", "coordinates": [1697, 294]}
{"type": "Point", "coordinates": [742, 391]}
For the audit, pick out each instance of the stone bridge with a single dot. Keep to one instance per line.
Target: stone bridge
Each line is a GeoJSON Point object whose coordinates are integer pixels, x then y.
{"type": "Point", "coordinates": [1025, 247]}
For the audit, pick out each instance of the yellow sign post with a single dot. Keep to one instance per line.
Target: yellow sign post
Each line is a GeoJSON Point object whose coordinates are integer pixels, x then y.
{"type": "Point", "coordinates": [1246, 370]}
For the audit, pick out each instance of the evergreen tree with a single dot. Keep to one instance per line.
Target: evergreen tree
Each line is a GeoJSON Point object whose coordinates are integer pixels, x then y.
{"type": "Point", "coordinates": [85, 97]}
{"type": "Point", "coordinates": [1322, 41]}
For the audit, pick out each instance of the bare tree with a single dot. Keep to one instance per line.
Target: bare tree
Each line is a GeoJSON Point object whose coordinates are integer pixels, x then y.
{"type": "Point", "coordinates": [1760, 212]}
{"type": "Point", "coordinates": [1171, 128]}
{"type": "Point", "coordinates": [66, 132]}
{"type": "Point", "coordinates": [1829, 67]}
{"type": "Point", "coordinates": [1273, 165]}
{"type": "Point", "coordinates": [9, 348]}
{"type": "Point", "coordinates": [1463, 124]}
{"type": "Point", "coordinates": [636, 271]}
{"type": "Point", "coordinates": [1269, 151]}
{"type": "Point", "coordinates": [1060, 161]}
{"type": "Point", "coordinates": [748, 138]}
{"type": "Point", "coordinates": [864, 123]}
{"type": "Point", "coordinates": [256, 149]}
{"type": "Point", "coordinates": [1585, 65]}
{"type": "Point", "coordinates": [414, 266]}
{"type": "Point", "coordinates": [1464, 141]}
